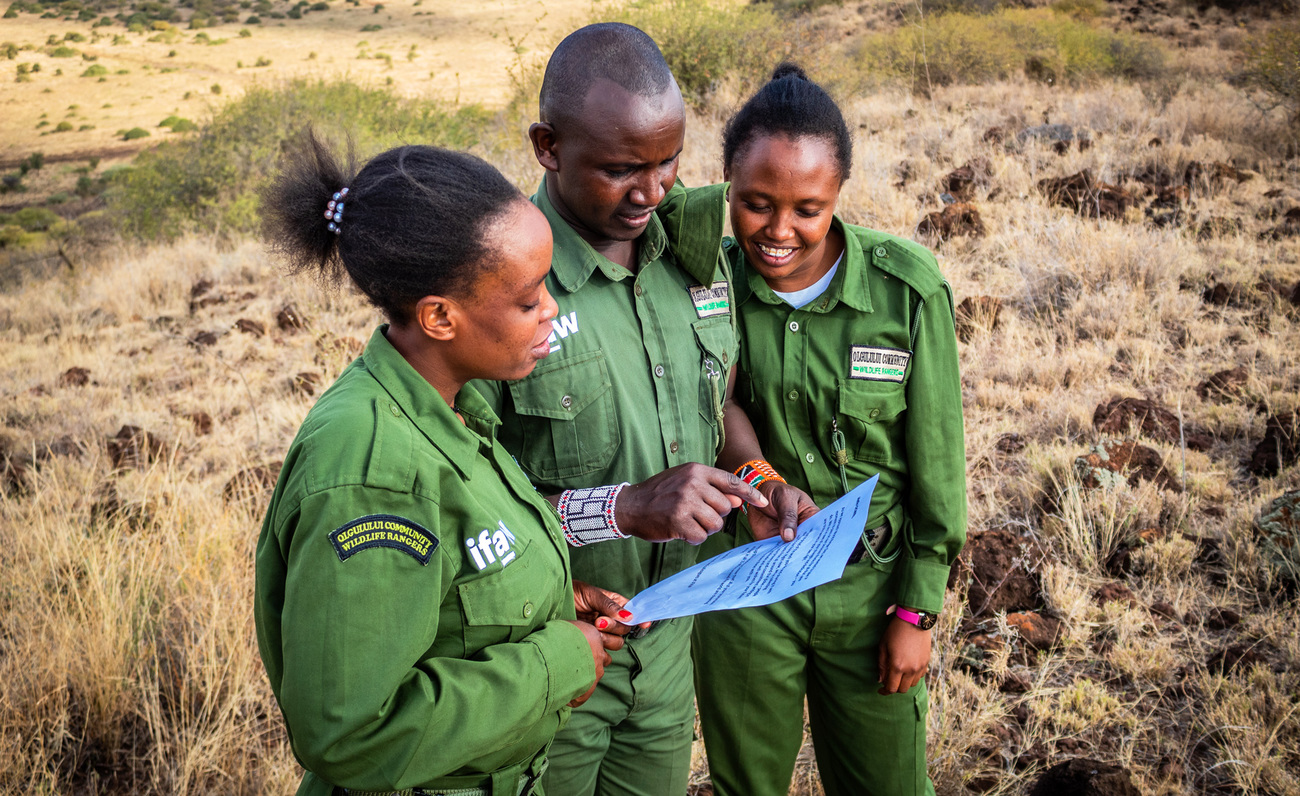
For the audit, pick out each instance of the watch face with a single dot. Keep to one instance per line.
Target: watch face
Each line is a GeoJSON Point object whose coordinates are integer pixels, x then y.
{"type": "Point", "coordinates": [926, 621]}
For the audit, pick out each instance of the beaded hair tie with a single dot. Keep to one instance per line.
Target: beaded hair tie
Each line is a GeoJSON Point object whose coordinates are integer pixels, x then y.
{"type": "Point", "coordinates": [334, 210]}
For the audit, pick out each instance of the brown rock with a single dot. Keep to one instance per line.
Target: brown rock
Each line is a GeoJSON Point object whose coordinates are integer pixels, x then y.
{"type": "Point", "coordinates": [252, 482]}
{"type": "Point", "coordinates": [1156, 142]}
{"type": "Point", "coordinates": [994, 135]}
{"type": "Point", "coordinates": [109, 508]}
{"type": "Point", "coordinates": [1120, 416]}
{"type": "Point", "coordinates": [1215, 174]}
{"type": "Point", "coordinates": [1294, 297]}
{"type": "Point", "coordinates": [1289, 228]}
{"type": "Point", "coordinates": [1114, 592]}
{"type": "Point", "coordinates": [201, 288]}
{"type": "Point", "coordinates": [1224, 385]}
{"type": "Point", "coordinates": [1221, 618]}
{"type": "Point", "coordinates": [1114, 460]}
{"type": "Point", "coordinates": [203, 339]}
{"type": "Point", "coordinates": [1165, 609]}
{"type": "Point", "coordinates": [1217, 227]}
{"type": "Point", "coordinates": [1009, 443]}
{"type": "Point", "coordinates": [1280, 446]}
{"type": "Point", "coordinates": [1002, 570]}
{"type": "Point", "coordinates": [247, 326]}
{"type": "Point", "coordinates": [1087, 196]}
{"type": "Point", "coordinates": [977, 312]}
{"type": "Point", "coordinates": [1039, 632]}
{"type": "Point", "coordinates": [1084, 777]}
{"type": "Point", "coordinates": [1236, 656]}
{"type": "Point", "coordinates": [289, 320]}
{"type": "Point", "coordinates": [955, 220]}
{"type": "Point", "coordinates": [132, 446]}
{"type": "Point", "coordinates": [305, 383]}
{"type": "Point", "coordinates": [961, 182]}
{"type": "Point", "coordinates": [74, 377]}
{"type": "Point", "coordinates": [202, 422]}
{"type": "Point", "coordinates": [1015, 683]}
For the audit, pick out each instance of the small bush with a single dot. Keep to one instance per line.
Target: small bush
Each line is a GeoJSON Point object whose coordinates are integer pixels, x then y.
{"type": "Point", "coordinates": [33, 162]}
{"type": "Point", "coordinates": [245, 33]}
{"type": "Point", "coordinates": [134, 133]}
{"type": "Point", "coordinates": [211, 181]}
{"type": "Point", "coordinates": [706, 41]}
{"type": "Point", "coordinates": [58, 198]}
{"type": "Point", "coordinates": [35, 219]}
{"type": "Point", "coordinates": [95, 70]}
{"type": "Point", "coordinates": [261, 61]}
{"type": "Point", "coordinates": [103, 22]}
{"type": "Point", "coordinates": [253, 19]}
{"type": "Point", "coordinates": [370, 28]}
{"type": "Point", "coordinates": [73, 36]}
{"type": "Point", "coordinates": [63, 127]}
{"type": "Point", "coordinates": [64, 52]}
{"type": "Point", "coordinates": [1273, 67]}
{"type": "Point", "coordinates": [9, 50]}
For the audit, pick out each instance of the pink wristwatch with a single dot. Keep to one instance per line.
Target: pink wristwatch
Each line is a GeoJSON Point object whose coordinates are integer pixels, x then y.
{"type": "Point", "coordinates": [920, 619]}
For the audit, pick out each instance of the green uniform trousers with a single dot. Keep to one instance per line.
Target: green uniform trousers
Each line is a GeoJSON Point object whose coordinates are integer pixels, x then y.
{"type": "Point", "coordinates": [754, 667]}
{"type": "Point", "coordinates": [634, 735]}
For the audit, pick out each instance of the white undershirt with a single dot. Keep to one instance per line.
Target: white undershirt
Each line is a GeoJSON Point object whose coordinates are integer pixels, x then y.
{"type": "Point", "coordinates": [798, 298]}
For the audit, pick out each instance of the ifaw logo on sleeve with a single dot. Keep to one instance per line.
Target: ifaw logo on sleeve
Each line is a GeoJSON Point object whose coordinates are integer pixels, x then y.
{"type": "Point", "coordinates": [878, 364]}
{"type": "Point", "coordinates": [710, 301]}
{"type": "Point", "coordinates": [491, 546]}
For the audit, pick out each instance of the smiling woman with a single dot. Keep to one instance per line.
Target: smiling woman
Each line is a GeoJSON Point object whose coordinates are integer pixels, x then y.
{"type": "Point", "coordinates": [420, 630]}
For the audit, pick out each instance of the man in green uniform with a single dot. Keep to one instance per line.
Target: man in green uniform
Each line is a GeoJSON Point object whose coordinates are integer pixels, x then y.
{"type": "Point", "coordinates": [361, 570]}
{"type": "Point", "coordinates": [814, 384]}
{"type": "Point", "coordinates": [634, 390]}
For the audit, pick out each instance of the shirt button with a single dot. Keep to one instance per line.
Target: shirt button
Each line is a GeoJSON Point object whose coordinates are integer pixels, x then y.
{"type": "Point", "coordinates": [794, 326]}
{"type": "Point", "coordinates": [637, 290]}
{"type": "Point", "coordinates": [673, 446]}
{"type": "Point", "coordinates": [396, 412]}
{"type": "Point", "coordinates": [808, 457]}
{"type": "Point", "coordinates": [659, 371]}
{"type": "Point", "coordinates": [566, 401]}
{"type": "Point", "coordinates": [874, 413]}
{"type": "Point", "coordinates": [793, 395]}
{"type": "Point", "coordinates": [528, 609]}
{"type": "Point", "coordinates": [881, 251]}
{"type": "Point", "coordinates": [724, 357]}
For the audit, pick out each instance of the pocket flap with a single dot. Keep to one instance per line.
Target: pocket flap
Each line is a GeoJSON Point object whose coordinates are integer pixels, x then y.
{"type": "Point", "coordinates": [504, 597]}
{"type": "Point", "coordinates": [717, 337]}
{"type": "Point", "coordinates": [562, 389]}
{"type": "Point", "coordinates": [872, 401]}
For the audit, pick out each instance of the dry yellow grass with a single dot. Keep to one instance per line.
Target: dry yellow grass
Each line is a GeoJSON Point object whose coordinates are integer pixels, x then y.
{"type": "Point", "coordinates": [129, 662]}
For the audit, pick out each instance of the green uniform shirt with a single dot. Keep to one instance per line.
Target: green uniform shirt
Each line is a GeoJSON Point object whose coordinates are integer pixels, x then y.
{"type": "Point", "coordinates": [874, 357]}
{"type": "Point", "coordinates": [636, 375]}
{"type": "Point", "coordinates": [411, 590]}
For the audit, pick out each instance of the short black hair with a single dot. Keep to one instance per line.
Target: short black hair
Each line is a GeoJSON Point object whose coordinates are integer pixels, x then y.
{"type": "Point", "coordinates": [790, 104]}
{"type": "Point", "coordinates": [413, 222]}
{"type": "Point", "coordinates": [611, 51]}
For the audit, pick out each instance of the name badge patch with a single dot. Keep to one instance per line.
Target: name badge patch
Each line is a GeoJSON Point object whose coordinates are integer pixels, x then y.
{"type": "Point", "coordinates": [878, 364]}
{"type": "Point", "coordinates": [711, 301]}
{"type": "Point", "coordinates": [384, 530]}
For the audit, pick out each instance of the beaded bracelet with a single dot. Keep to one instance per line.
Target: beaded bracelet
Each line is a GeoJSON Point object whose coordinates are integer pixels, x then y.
{"type": "Point", "coordinates": [756, 471]}
{"type": "Point", "coordinates": [587, 515]}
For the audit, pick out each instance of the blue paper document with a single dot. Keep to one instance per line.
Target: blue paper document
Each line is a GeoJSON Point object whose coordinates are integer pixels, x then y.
{"type": "Point", "coordinates": [761, 573]}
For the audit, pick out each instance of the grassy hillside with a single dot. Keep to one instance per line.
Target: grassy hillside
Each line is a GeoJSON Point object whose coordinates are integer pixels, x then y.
{"type": "Point", "coordinates": [1139, 619]}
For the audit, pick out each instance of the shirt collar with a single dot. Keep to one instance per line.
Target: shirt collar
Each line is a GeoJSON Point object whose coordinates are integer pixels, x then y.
{"type": "Point", "coordinates": [415, 397]}
{"type": "Point", "coordinates": [573, 260]}
{"type": "Point", "coordinates": [849, 285]}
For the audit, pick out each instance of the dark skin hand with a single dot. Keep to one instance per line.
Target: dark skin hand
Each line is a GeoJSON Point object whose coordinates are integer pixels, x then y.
{"type": "Point", "coordinates": [904, 656]}
{"type": "Point", "coordinates": [599, 655]}
{"type": "Point", "coordinates": [600, 612]}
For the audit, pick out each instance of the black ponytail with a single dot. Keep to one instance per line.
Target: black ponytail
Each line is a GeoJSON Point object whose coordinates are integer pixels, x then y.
{"type": "Point", "coordinates": [789, 104]}
{"type": "Point", "coordinates": [412, 223]}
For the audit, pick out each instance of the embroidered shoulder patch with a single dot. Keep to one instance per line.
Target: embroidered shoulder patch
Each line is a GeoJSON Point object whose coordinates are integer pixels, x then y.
{"type": "Point", "coordinates": [710, 301]}
{"type": "Point", "coordinates": [878, 364]}
{"type": "Point", "coordinates": [384, 530]}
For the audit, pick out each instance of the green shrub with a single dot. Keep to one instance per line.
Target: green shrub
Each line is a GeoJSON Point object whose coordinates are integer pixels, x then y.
{"type": "Point", "coordinates": [211, 181]}
{"type": "Point", "coordinates": [35, 219]}
{"type": "Point", "coordinates": [73, 36]}
{"type": "Point", "coordinates": [9, 50]}
{"type": "Point", "coordinates": [1046, 45]}
{"type": "Point", "coordinates": [63, 127]}
{"type": "Point", "coordinates": [1273, 67]}
{"type": "Point", "coordinates": [95, 70]}
{"type": "Point", "coordinates": [134, 133]}
{"type": "Point", "coordinates": [64, 52]}
{"type": "Point", "coordinates": [33, 162]}
{"type": "Point", "coordinates": [706, 41]}
{"type": "Point", "coordinates": [253, 20]}
{"type": "Point", "coordinates": [58, 198]}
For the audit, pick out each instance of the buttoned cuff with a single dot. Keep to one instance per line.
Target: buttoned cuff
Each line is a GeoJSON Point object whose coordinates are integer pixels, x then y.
{"type": "Point", "coordinates": [570, 670]}
{"type": "Point", "coordinates": [921, 584]}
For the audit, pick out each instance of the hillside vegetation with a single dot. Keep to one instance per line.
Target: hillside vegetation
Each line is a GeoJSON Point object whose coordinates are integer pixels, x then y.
{"type": "Point", "coordinates": [1113, 190]}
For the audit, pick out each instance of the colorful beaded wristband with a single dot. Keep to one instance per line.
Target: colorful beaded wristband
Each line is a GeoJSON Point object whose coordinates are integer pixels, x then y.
{"type": "Point", "coordinates": [757, 471]}
{"type": "Point", "coordinates": [587, 515]}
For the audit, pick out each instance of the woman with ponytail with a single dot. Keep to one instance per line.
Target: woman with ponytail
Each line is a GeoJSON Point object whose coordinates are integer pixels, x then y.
{"type": "Point", "coordinates": [414, 604]}
{"type": "Point", "coordinates": [848, 369]}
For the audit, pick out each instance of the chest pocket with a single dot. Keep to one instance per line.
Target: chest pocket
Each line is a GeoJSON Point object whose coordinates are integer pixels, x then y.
{"type": "Point", "coordinates": [570, 427]}
{"type": "Point", "coordinates": [870, 416]}
{"type": "Point", "coordinates": [717, 343]}
{"type": "Point", "coordinates": [506, 604]}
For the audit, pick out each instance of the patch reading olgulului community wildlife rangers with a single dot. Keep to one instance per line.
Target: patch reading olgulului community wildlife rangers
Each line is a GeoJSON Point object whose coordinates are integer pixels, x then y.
{"type": "Point", "coordinates": [710, 301]}
{"type": "Point", "coordinates": [878, 364]}
{"type": "Point", "coordinates": [384, 530]}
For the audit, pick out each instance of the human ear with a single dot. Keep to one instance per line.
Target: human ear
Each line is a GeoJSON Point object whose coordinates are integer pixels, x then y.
{"type": "Point", "coordinates": [544, 139]}
{"type": "Point", "coordinates": [437, 317]}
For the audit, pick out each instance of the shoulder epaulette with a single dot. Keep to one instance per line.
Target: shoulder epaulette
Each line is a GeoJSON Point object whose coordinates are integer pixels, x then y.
{"type": "Point", "coordinates": [905, 259]}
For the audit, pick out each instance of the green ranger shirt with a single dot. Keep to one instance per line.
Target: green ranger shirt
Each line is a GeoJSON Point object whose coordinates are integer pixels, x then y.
{"type": "Point", "coordinates": [874, 358]}
{"type": "Point", "coordinates": [637, 373]}
{"type": "Point", "coordinates": [412, 588]}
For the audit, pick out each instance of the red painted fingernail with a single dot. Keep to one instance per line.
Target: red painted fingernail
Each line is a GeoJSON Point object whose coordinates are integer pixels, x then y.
{"type": "Point", "coordinates": [624, 614]}
{"type": "Point", "coordinates": [602, 623]}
